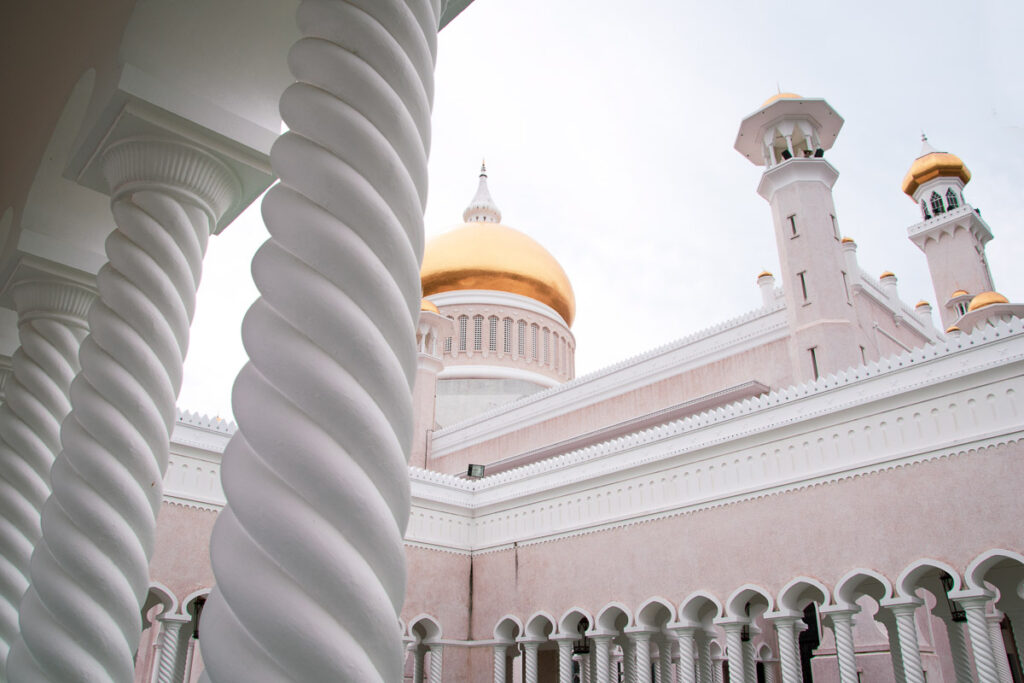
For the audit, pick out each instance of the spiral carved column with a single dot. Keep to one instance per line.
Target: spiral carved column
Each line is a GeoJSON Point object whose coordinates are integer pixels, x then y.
{"type": "Point", "coordinates": [910, 653]}
{"type": "Point", "coordinates": [749, 662]}
{"type": "Point", "coordinates": [999, 647]}
{"type": "Point", "coordinates": [170, 660]}
{"type": "Point", "coordinates": [603, 658]}
{"type": "Point", "coordinates": [500, 662]}
{"type": "Point", "coordinates": [51, 325]}
{"type": "Point", "coordinates": [958, 651]}
{"type": "Point", "coordinates": [981, 640]}
{"type": "Point", "coordinates": [629, 659]}
{"type": "Point", "coordinates": [436, 662]}
{"type": "Point", "coordinates": [705, 665]}
{"type": "Point", "coordinates": [530, 648]}
{"type": "Point", "coordinates": [417, 664]}
{"type": "Point", "coordinates": [789, 660]}
{"type": "Point", "coordinates": [308, 553]}
{"type": "Point", "coordinates": [842, 628]}
{"type": "Point", "coordinates": [686, 672]}
{"type": "Point", "coordinates": [642, 647]}
{"type": "Point", "coordinates": [564, 660]}
{"type": "Point", "coordinates": [80, 619]}
{"type": "Point", "coordinates": [734, 650]}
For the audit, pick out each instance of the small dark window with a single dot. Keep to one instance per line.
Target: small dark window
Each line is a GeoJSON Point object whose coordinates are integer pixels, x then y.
{"type": "Point", "coordinates": [936, 202]}
{"type": "Point", "coordinates": [814, 360]}
{"type": "Point", "coordinates": [846, 287]}
{"type": "Point", "coordinates": [792, 223]}
{"type": "Point", "coordinates": [835, 226]}
{"type": "Point", "coordinates": [951, 200]}
{"type": "Point", "coordinates": [803, 282]}
{"type": "Point", "coordinates": [924, 210]}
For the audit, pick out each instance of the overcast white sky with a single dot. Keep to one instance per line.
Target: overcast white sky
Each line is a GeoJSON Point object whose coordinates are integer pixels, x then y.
{"type": "Point", "coordinates": [608, 130]}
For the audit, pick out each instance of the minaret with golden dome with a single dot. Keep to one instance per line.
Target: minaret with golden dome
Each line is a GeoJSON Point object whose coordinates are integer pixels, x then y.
{"type": "Point", "coordinates": [511, 305]}
{"type": "Point", "coordinates": [788, 136]}
{"type": "Point", "coordinates": [952, 234]}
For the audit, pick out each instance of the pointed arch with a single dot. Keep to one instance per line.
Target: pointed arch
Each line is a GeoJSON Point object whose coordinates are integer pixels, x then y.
{"type": "Point", "coordinates": [655, 612]}
{"type": "Point", "coordinates": [736, 605]}
{"type": "Point", "coordinates": [539, 626]}
{"type": "Point", "coordinates": [858, 582]}
{"type": "Point", "coordinates": [613, 617]}
{"type": "Point", "coordinates": [980, 566]}
{"type": "Point", "coordinates": [508, 628]}
{"type": "Point", "coordinates": [699, 608]}
{"type": "Point", "coordinates": [570, 621]}
{"type": "Point", "coordinates": [425, 628]}
{"type": "Point", "coordinates": [158, 594]}
{"type": "Point", "coordinates": [911, 578]}
{"type": "Point", "coordinates": [798, 592]}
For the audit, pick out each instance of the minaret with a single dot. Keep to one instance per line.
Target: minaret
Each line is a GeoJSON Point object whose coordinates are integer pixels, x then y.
{"type": "Point", "coordinates": [788, 136]}
{"type": "Point", "coordinates": [952, 233]}
{"type": "Point", "coordinates": [431, 331]}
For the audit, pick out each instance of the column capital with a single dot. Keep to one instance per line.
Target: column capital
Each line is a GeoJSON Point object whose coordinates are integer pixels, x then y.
{"type": "Point", "coordinates": [840, 610]}
{"type": "Point", "coordinates": [783, 615]}
{"type": "Point", "coordinates": [149, 163]}
{"type": "Point", "coordinates": [901, 605]}
{"type": "Point", "coordinates": [972, 596]}
{"type": "Point", "coordinates": [732, 623]}
{"type": "Point", "coordinates": [177, 619]}
{"type": "Point", "coordinates": [639, 633]}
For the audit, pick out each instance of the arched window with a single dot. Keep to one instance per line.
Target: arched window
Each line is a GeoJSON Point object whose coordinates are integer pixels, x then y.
{"type": "Point", "coordinates": [492, 329]}
{"type": "Point", "coordinates": [508, 335]}
{"type": "Point", "coordinates": [936, 202]}
{"type": "Point", "coordinates": [463, 324]}
{"type": "Point", "coordinates": [478, 332]}
{"type": "Point", "coordinates": [522, 339]}
{"type": "Point", "coordinates": [547, 346]}
{"type": "Point", "coordinates": [924, 210]}
{"type": "Point", "coordinates": [533, 341]}
{"type": "Point", "coordinates": [448, 341]}
{"type": "Point", "coordinates": [951, 200]}
{"type": "Point", "coordinates": [555, 356]}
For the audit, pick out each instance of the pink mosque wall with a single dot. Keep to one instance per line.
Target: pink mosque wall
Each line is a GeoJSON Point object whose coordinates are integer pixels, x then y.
{"type": "Point", "coordinates": [767, 363]}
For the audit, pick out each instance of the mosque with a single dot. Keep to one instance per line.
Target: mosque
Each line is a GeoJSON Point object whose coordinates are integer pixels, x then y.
{"type": "Point", "coordinates": [419, 487]}
{"type": "Point", "coordinates": [825, 488]}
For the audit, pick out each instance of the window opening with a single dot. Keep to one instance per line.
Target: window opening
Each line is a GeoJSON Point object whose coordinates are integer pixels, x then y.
{"type": "Point", "coordinates": [924, 210]}
{"type": "Point", "coordinates": [792, 223]}
{"type": "Point", "coordinates": [803, 282]}
{"type": "Point", "coordinates": [951, 200]}
{"type": "Point", "coordinates": [463, 324]}
{"type": "Point", "coordinates": [835, 226]}
{"type": "Point", "coordinates": [478, 332]}
{"type": "Point", "coordinates": [533, 341]}
{"type": "Point", "coordinates": [522, 338]}
{"type": "Point", "coordinates": [814, 360]}
{"type": "Point", "coordinates": [936, 202]}
{"type": "Point", "coordinates": [508, 335]}
{"type": "Point", "coordinates": [846, 287]}
{"type": "Point", "coordinates": [492, 329]}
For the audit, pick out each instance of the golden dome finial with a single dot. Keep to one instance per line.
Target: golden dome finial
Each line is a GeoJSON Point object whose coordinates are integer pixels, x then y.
{"type": "Point", "coordinates": [931, 164]}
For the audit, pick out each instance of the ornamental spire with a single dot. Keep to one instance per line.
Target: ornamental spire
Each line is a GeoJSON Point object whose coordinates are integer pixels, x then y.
{"type": "Point", "coordinates": [482, 209]}
{"type": "Point", "coordinates": [926, 147]}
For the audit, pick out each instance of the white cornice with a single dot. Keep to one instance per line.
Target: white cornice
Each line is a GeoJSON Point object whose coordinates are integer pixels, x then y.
{"type": "Point", "coordinates": [496, 372]}
{"type": "Point", "coordinates": [730, 337]}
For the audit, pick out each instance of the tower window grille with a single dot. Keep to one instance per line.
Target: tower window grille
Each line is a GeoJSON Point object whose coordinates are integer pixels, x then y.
{"type": "Point", "coordinates": [951, 200]}
{"type": "Point", "coordinates": [522, 339]}
{"type": "Point", "coordinates": [448, 345]}
{"type": "Point", "coordinates": [936, 202]}
{"type": "Point", "coordinates": [557, 349]}
{"type": "Point", "coordinates": [478, 332]}
{"type": "Point", "coordinates": [547, 346]}
{"type": "Point", "coordinates": [533, 341]}
{"type": "Point", "coordinates": [508, 335]}
{"type": "Point", "coordinates": [463, 324]}
{"type": "Point", "coordinates": [924, 210]}
{"type": "Point", "coordinates": [492, 329]}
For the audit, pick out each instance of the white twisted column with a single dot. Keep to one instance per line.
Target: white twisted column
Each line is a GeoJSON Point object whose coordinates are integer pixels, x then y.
{"type": "Point", "coordinates": [602, 657]}
{"type": "Point", "coordinates": [958, 650]}
{"type": "Point", "coordinates": [417, 664]}
{"type": "Point", "coordinates": [500, 663]}
{"type": "Point", "coordinates": [436, 659]}
{"type": "Point", "coordinates": [642, 648]}
{"type": "Point", "coordinates": [981, 640]}
{"type": "Point", "coordinates": [564, 660]}
{"type": "Point", "coordinates": [5, 375]}
{"type": "Point", "coordinates": [665, 660]}
{"type": "Point", "coordinates": [734, 648]}
{"type": "Point", "coordinates": [308, 553]}
{"type": "Point", "coordinates": [789, 659]}
{"type": "Point", "coordinates": [749, 662]}
{"type": "Point", "coordinates": [999, 646]}
{"type": "Point", "coordinates": [705, 665]}
{"type": "Point", "coordinates": [530, 648]}
{"type": "Point", "coordinates": [170, 660]}
{"type": "Point", "coordinates": [842, 627]}
{"type": "Point", "coordinates": [51, 325]}
{"type": "Point", "coordinates": [686, 671]}
{"type": "Point", "coordinates": [80, 620]}
{"type": "Point", "coordinates": [629, 659]}
{"type": "Point", "coordinates": [906, 630]}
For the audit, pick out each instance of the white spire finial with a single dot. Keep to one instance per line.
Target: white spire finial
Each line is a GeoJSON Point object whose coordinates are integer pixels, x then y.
{"type": "Point", "coordinates": [482, 209]}
{"type": "Point", "coordinates": [926, 147]}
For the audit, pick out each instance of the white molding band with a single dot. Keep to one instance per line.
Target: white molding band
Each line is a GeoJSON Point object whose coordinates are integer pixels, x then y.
{"type": "Point", "coordinates": [495, 372]}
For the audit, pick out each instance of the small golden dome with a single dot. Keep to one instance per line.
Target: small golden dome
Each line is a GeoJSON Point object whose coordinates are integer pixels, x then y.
{"type": "Point", "coordinates": [781, 96]}
{"type": "Point", "coordinates": [428, 305]}
{"type": "Point", "coordinates": [496, 257]}
{"type": "Point", "coordinates": [764, 273]}
{"type": "Point", "coordinates": [986, 299]}
{"type": "Point", "coordinates": [934, 165]}
{"type": "Point", "coordinates": [957, 293]}
{"type": "Point", "coordinates": [921, 303]}
{"type": "Point", "coordinates": [847, 240]}
{"type": "Point", "coordinates": [886, 274]}
{"type": "Point", "coordinates": [952, 328]}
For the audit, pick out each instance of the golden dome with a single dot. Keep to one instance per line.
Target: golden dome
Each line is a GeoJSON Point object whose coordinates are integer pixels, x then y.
{"type": "Point", "coordinates": [934, 165]}
{"type": "Point", "coordinates": [957, 293]}
{"type": "Point", "coordinates": [921, 303]}
{"type": "Point", "coordinates": [764, 273]}
{"type": "Point", "coordinates": [986, 299]}
{"type": "Point", "coordinates": [952, 328]}
{"type": "Point", "coordinates": [886, 274]}
{"type": "Point", "coordinates": [428, 305]}
{"type": "Point", "coordinates": [496, 257]}
{"type": "Point", "coordinates": [847, 240]}
{"type": "Point", "coordinates": [781, 96]}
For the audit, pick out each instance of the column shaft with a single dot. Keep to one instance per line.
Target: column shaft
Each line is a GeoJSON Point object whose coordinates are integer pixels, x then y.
{"type": "Point", "coordinates": [51, 325]}
{"type": "Point", "coordinates": [685, 669]}
{"type": "Point", "coordinates": [564, 661]}
{"type": "Point", "coordinates": [789, 659]}
{"type": "Point", "coordinates": [417, 665]}
{"type": "Point", "coordinates": [316, 476]}
{"type": "Point", "coordinates": [170, 644]}
{"type": "Point", "coordinates": [749, 663]}
{"type": "Point", "coordinates": [704, 662]}
{"type": "Point", "coordinates": [436, 668]}
{"type": "Point", "coordinates": [500, 662]}
{"type": "Point", "coordinates": [842, 628]}
{"type": "Point", "coordinates": [999, 647]}
{"type": "Point", "coordinates": [99, 524]}
{"type": "Point", "coordinates": [629, 659]}
{"type": "Point", "coordinates": [910, 653]}
{"type": "Point", "coordinates": [642, 645]}
{"type": "Point", "coordinates": [602, 655]}
{"type": "Point", "coordinates": [958, 650]}
{"type": "Point", "coordinates": [530, 655]}
{"type": "Point", "coordinates": [734, 650]}
{"type": "Point", "coordinates": [981, 640]}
